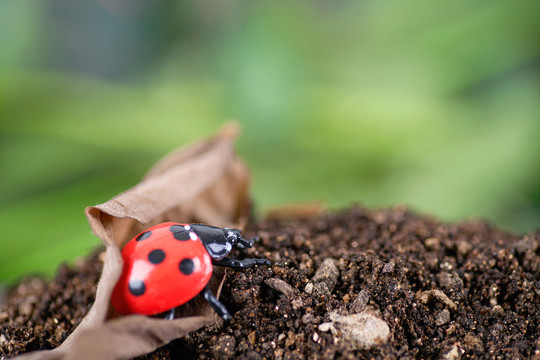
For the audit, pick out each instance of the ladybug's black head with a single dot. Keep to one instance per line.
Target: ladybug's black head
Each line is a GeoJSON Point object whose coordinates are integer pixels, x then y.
{"type": "Point", "coordinates": [235, 236]}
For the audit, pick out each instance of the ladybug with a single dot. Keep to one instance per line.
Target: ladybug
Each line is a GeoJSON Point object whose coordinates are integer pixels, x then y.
{"type": "Point", "coordinates": [168, 264]}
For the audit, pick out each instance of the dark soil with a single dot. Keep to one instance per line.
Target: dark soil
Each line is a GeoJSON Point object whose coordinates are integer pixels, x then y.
{"type": "Point", "coordinates": [40, 315]}
{"type": "Point", "coordinates": [445, 291]}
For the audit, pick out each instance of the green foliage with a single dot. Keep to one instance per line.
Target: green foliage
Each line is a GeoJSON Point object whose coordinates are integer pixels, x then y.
{"type": "Point", "coordinates": [431, 104]}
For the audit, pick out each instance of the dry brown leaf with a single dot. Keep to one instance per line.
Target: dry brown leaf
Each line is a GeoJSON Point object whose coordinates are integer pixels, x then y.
{"type": "Point", "coordinates": [205, 183]}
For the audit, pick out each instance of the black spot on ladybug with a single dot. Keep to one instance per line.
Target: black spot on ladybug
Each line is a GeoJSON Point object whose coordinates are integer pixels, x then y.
{"type": "Point", "coordinates": [179, 232]}
{"type": "Point", "coordinates": [136, 287]}
{"type": "Point", "coordinates": [156, 256]}
{"type": "Point", "coordinates": [187, 266]}
{"type": "Point", "coordinates": [143, 236]}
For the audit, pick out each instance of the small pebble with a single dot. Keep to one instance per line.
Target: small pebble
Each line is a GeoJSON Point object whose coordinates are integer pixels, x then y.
{"type": "Point", "coordinates": [327, 273]}
{"type": "Point", "coordinates": [389, 266]}
{"type": "Point", "coordinates": [433, 243]}
{"type": "Point", "coordinates": [474, 343]}
{"type": "Point", "coordinates": [362, 330]}
{"type": "Point", "coordinates": [360, 302]}
{"type": "Point", "coordinates": [325, 327]}
{"type": "Point", "coordinates": [321, 290]}
{"type": "Point", "coordinates": [498, 310]}
{"type": "Point", "coordinates": [308, 318]}
{"type": "Point", "coordinates": [464, 247]}
{"type": "Point", "coordinates": [297, 303]}
{"type": "Point", "coordinates": [450, 281]}
{"type": "Point", "coordinates": [454, 353]}
{"type": "Point", "coordinates": [442, 317]}
{"type": "Point", "coordinates": [290, 339]}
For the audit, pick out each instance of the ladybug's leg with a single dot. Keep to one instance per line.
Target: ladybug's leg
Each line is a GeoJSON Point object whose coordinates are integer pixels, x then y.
{"type": "Point", "coordinates": [170, 314]}
{"type": "Point", "coordinates": [218, 307]}
{"type": "Point", "coordinates": [245, 263]}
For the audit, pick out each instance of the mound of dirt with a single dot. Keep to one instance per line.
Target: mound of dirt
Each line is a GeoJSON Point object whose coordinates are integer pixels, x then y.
{"type": "Point", "coordinates": [351, 284]}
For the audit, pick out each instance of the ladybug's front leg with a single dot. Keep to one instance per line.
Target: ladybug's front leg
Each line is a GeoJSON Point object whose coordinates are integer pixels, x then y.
{"type": "Point", "coordinates": [218, 307]}
{"type": "Point", "coordinates": [245, 263]}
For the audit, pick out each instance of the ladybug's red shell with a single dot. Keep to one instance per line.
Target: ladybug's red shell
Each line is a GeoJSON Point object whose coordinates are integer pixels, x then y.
{"type": "Point", "coordinates": [164, 267]}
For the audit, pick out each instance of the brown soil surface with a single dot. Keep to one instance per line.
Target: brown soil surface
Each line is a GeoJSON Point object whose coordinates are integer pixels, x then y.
{"type": "Point", "coordinates": [443, 290]}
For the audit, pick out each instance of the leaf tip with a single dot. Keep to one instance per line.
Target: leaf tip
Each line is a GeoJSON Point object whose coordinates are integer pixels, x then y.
{"type": "Point", "coordinates": [230, 130]}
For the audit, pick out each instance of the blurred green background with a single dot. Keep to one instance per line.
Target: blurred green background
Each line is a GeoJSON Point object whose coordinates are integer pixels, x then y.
{"type": "Point", "coordinates": [432, 104]}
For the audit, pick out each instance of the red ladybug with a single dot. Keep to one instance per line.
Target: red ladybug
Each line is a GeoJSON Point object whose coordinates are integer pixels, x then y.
{"type": "Point", "coordinates": [169, 264]}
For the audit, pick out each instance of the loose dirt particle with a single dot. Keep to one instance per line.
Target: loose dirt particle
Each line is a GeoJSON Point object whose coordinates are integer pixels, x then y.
{"type": "Point", "coordinates": [426, 296]}
{"type": "Point", "coordinates": [281, 286]}
{"type": "Point", "coordinates": [252, 337]}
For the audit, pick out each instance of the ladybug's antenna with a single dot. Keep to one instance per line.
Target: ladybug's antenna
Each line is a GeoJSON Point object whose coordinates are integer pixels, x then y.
{"type": "Point", "coordinates": [245, 243]}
